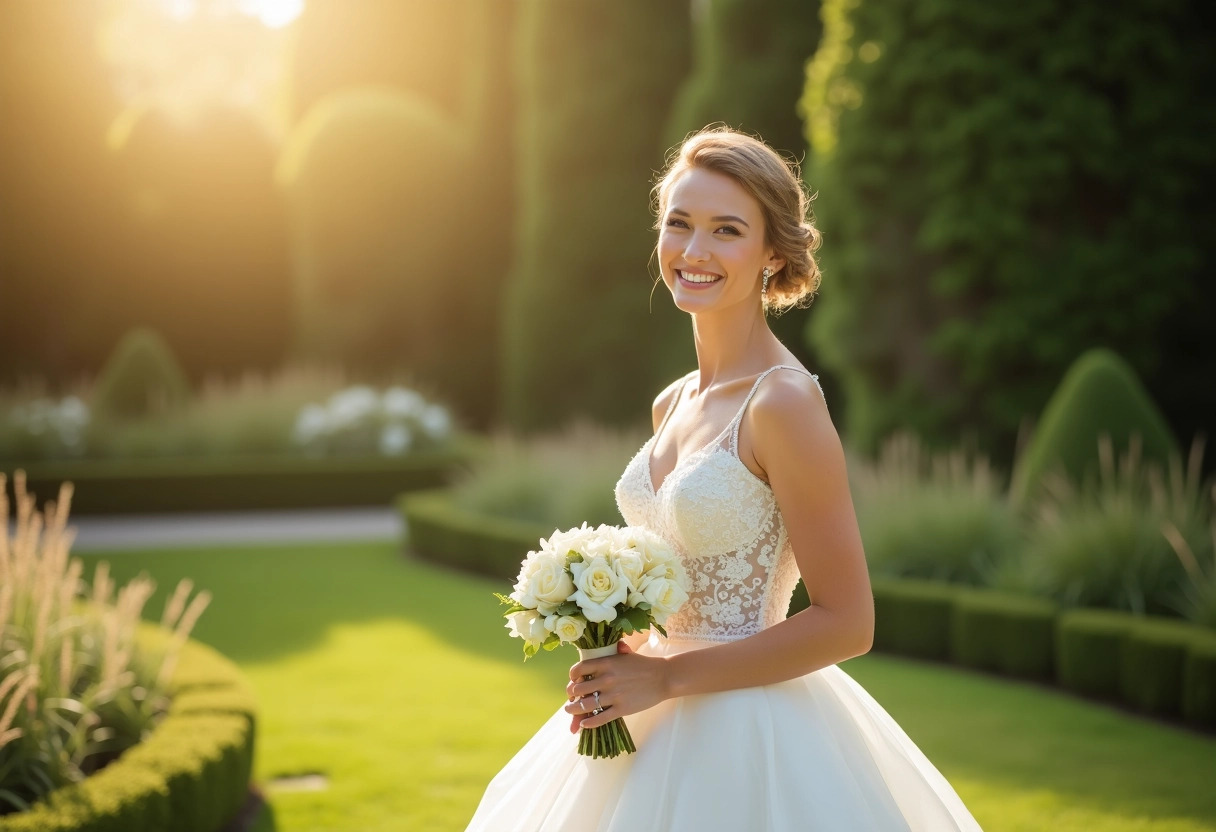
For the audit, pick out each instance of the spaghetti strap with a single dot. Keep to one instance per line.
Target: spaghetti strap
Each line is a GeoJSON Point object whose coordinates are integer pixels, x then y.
{"type": "Point", "coordinates": [672, 404]}
{"type": "Point", "coordinates": [738, 420]}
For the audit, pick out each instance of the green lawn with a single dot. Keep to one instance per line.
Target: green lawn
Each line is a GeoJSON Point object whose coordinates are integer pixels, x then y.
{"type": "Point", "coordinates": [397, 681]}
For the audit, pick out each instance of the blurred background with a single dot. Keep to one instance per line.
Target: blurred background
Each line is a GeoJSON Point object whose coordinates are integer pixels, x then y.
{"type": "Point", "coordinates": [263, 254]}
{"type": "Point", "coordinates": [459, 192]}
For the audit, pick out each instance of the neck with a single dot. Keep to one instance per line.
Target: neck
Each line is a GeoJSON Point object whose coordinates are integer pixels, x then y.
{"type": "Point", "coordinates": [734, 343]}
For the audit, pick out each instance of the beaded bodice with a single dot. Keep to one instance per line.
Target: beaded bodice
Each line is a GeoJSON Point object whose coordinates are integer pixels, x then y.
{"type": "Point", "coordinates": [724, 523]}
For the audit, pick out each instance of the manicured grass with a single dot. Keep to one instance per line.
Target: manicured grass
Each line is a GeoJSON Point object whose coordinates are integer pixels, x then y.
{"type": "Point", "coordinates": [397, 681]}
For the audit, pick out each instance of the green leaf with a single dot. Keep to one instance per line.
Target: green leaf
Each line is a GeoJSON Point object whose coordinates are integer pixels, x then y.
{"type": "Point", "coordinates": [659, 627]}
{"type": "Point", "coordinates": [568, 608]}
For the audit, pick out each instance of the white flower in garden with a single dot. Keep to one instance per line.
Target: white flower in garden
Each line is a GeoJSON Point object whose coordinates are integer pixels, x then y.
{"type": "Point", "coordinates": [665, 597]}
{"type": "Point", "coordinates": [544, 583]}
{"type": "Point", "coordinates": [350, 406]}
{"type": "Point", "coordinates": [600, 589]}
{"type": "Point", "coordinates": [312, 421]}
{"type": "Point", "coordinates": [395, 439]}
{"type": "Point", "coordinates": [567, 627]}
{"type": "Point", "coordinates": [435, 422]}
{"type": "Point", "coordinates": [402, 403]}
{"type": "Point", "coordinates": [73, 411]}
{"type": "Point", "coordinates": [528, 625]}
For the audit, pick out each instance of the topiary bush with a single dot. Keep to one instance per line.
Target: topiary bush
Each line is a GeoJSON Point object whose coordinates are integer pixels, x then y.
{"type": "Point", "coordinates": [141, 378]}
{"type": "Point", "coordinates": [1099, 395]}
{"type": "Point", "coordinates": [1154, 658]}
{"type": "Point", "coordinates": [983, 198]}
{"type": "Point", "coordinates": [1004, 632]}
{"type": "Point", "coordinates": [596, 82]}
{"type": "Point", "coordinates": [377, 188]}
{"type": "Point", "coordinates": [1089, 651]}
{"type": "Point", "coordinates": [913, 617]}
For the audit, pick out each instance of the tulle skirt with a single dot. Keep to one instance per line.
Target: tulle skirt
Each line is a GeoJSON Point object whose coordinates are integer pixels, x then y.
{"type": "Point", "coordinates": [812, 753]}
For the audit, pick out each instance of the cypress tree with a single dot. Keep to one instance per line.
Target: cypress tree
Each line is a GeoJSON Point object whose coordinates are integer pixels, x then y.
{"type": "Point", "coordinates": [596, 82]}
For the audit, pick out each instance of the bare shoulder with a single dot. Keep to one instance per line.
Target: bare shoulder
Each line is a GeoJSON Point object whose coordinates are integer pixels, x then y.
{"type": "Point", "coordinates": [663, 401]}
{"type": "Point", "coordinates": [788, 420]}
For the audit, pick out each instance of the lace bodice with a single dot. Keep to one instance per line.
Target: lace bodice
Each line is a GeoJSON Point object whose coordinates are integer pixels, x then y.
{"type": "Point", "coordinates": [724, 523]}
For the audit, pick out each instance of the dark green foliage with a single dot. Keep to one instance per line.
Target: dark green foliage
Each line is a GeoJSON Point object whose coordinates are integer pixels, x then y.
{"type": "Point", "coordinates": [913, 617]}
{"type": "Point", "coordinates": [1001, 187]}
{"type": "Point", "coordinates": [596, 82]}
{"type": "Point", "coordinates": [1154, 655]}
{"type": "Point", "coordinates": [141, 378]}
{"type": "Point", "coordinates": [749, 61]}
{"type": "Point", "coordinates": [386, 260]}
{"type": "Point", "coordinates": [1089, 650]}
{"type": "Point", "coordinates": [491, 546]}
{"type": "Point", "coordinates": [1199, 682]}
{"type": "Point", "coordinates": [1007, 633]}
{"type": "Point", "coordinates": [1100, 394]}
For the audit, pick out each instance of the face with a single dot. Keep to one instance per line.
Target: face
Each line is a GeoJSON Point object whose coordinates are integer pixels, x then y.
{"type": "Point", "coordinates": [711, 244]}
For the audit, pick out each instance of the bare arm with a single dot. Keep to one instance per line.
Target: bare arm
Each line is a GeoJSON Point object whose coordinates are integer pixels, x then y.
{"type": "Point", "coordinates": [798, 449]}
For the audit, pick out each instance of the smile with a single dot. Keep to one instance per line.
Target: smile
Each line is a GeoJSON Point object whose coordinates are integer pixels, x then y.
{"type": "Point", "coordinates": [697, 279]}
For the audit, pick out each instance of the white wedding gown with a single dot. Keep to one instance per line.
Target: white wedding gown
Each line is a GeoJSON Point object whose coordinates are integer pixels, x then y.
{"type": "Point", "coordinates": [813, 753]}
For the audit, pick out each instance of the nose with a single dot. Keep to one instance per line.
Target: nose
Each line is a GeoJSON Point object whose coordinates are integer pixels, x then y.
{"type": "Point", "coordinates": [696, 251]}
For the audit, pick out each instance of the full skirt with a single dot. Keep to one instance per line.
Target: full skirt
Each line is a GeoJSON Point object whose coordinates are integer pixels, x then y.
{"type": "Point", "coordinates": [812, 753]}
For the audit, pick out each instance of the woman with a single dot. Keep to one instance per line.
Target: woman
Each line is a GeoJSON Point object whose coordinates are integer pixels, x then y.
{"type": "Point", "coordinates": [741, 717]}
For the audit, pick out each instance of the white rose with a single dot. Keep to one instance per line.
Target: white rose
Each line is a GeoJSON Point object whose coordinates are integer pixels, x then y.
{"type": "Point", "coordinates": [600, 589]}
{"type": "Point", "coordinates": [547, 585]}
{"type": "Point", "coordinates": [563, 542]}
{"type": "Point", "coordinates": [528, 625]}
{"type": "Point", "coordinates": [630, 566]}
{"type": "Point", "coordinates": [568, 627]}
{"type": "Point", "coordinates": [665, 598]}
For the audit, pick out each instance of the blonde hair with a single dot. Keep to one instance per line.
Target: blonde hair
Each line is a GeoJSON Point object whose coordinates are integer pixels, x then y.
{"type": "Point", "coordinates": [775, 183]}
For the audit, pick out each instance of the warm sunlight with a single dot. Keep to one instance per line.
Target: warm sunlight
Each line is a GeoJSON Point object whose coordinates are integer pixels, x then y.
{"type": "Point", "coordinates": [184, 57]}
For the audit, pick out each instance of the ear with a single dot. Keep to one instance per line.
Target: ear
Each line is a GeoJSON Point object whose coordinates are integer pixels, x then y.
{"type": "Point", "coordinates": [776, 263]}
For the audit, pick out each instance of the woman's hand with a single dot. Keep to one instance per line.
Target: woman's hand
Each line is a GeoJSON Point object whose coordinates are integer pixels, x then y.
{"type": "Point", "coordinates": [627, 683]}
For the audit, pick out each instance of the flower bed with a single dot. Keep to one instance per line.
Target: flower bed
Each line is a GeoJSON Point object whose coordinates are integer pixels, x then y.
{"type": "Point", "coordinates": [190, 775]}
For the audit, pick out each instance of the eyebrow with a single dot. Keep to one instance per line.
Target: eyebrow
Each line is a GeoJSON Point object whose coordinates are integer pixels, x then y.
{"type": "Point", "coordinates": [726, 218]}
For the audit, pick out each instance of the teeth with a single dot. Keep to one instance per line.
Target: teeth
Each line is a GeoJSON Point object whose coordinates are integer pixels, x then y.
{"type": "Point", "coordinates": [696, 277]}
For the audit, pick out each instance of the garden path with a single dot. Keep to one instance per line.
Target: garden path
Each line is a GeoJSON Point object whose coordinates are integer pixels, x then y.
{"type": "Point", "coordinates": [144, 531]}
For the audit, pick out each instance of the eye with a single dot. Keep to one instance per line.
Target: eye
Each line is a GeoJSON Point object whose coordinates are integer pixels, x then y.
{"type": "Point", "coordinates": [726, 228]}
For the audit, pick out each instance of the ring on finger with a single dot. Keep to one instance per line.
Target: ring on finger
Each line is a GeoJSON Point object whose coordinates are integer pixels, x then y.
{"type": "Point", "coordinates": [598, 706]}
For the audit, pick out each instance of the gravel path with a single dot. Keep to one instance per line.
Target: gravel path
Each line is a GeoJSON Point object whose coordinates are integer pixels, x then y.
{"type": "Point", "coordinates": [145, 531]}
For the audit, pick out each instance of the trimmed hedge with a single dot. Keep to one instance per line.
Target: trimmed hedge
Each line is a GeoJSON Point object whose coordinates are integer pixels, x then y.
{"type": "Point", "coordinates": [190, 775]}
{"type": "Point", "coordinates": [1012, 634]}
{"type": "Point", "coordinates": [1089, 651]}
{"type": "Point", "coordinates": [440, 531]}
{"type": "Point", "coordinates": [913, 617]}
{"type": "Point", "coordinates": [244, 482]}
{"type": "Point", "coordinates": [1154, 654]}
{"type": "Point", "coordinates": [1161, 666]}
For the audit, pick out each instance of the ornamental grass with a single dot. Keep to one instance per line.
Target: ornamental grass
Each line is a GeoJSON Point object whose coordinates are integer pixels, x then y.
{"type": "Point", "coordinates": [76, 691]}
{"type": "Point", "coordinates": [1133, 537]}
{"type": "Point", "coordinates": [934, 515]}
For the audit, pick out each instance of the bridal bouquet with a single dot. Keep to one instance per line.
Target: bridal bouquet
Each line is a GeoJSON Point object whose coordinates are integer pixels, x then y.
{"type": "Point", "coordinates": [589, 587]}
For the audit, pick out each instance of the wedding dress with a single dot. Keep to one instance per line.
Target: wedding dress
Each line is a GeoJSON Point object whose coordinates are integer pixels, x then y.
{"type": "Point", "coordinates": [815, 752]}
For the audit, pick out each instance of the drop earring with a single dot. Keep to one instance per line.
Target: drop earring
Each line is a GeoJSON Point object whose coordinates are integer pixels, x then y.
{"type": "Point", "coordinates": [764, 287]}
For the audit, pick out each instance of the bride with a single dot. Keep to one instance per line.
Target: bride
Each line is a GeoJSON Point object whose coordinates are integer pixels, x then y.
{"type": "Point", "coordinates": [741, 717]}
